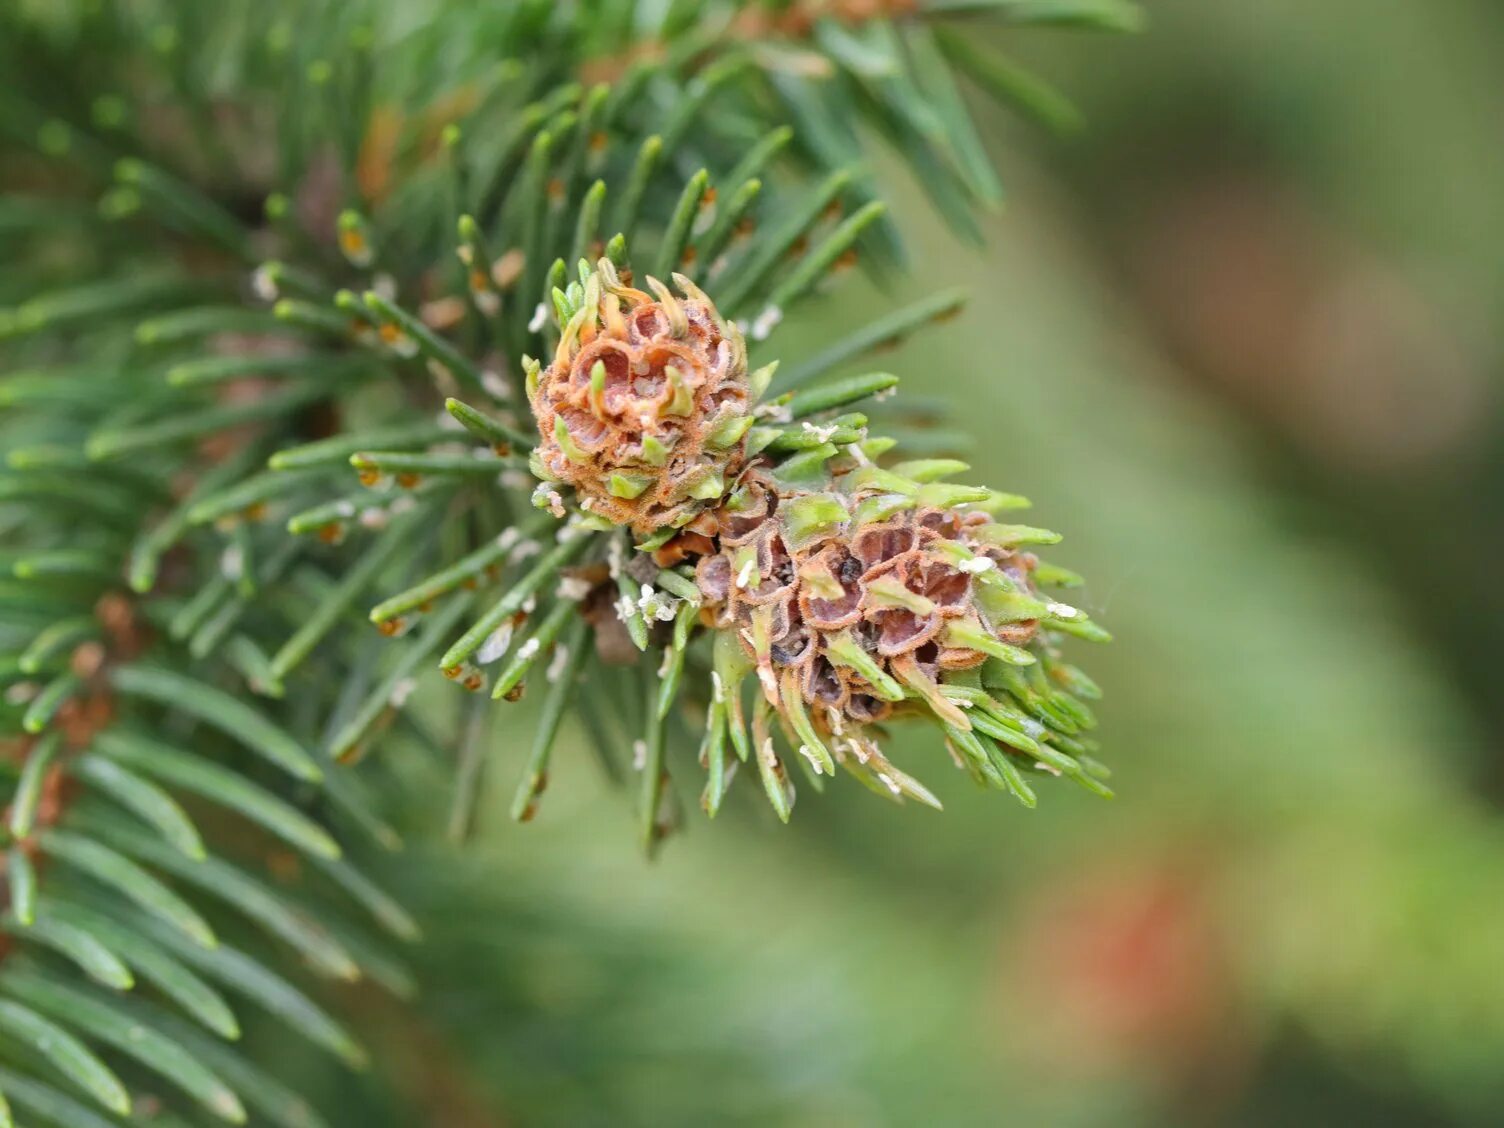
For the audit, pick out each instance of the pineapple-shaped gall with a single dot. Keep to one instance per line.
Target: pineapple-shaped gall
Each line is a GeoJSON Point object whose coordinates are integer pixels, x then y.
{"type": "Point", "coordinates": [645, 408]}
{"type": "Point", "coordinates": [867, 596]}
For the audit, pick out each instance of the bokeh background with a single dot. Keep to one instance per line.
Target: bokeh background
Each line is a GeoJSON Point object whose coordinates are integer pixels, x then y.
{"type": "Point", "coordinates": [1240, 337]}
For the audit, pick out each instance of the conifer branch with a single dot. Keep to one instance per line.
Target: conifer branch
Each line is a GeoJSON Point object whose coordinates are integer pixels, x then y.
{"type": "Point", "coordinates": [405, 308]}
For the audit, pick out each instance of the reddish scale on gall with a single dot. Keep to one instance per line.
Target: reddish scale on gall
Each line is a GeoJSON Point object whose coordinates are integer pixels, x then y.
{"type": "Point", "coordinates": [855, 611]}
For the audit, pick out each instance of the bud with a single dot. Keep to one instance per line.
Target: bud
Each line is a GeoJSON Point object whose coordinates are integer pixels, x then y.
{"type": "Point", "coordinates": [878, 595]}
{"type": "Point", "coordinates": [645, 408]}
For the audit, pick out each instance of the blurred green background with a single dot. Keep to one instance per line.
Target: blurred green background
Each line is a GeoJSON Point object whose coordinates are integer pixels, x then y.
{"type": "Point", "coordinates": [1240, 340]}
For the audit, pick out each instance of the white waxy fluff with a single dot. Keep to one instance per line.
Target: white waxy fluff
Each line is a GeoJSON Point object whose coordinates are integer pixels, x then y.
{"type": "Point", "coordinates": [495, 645]}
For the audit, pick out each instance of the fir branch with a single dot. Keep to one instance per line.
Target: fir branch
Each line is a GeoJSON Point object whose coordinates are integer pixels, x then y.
{"type": "Point", "coordinates": [269, 290]}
